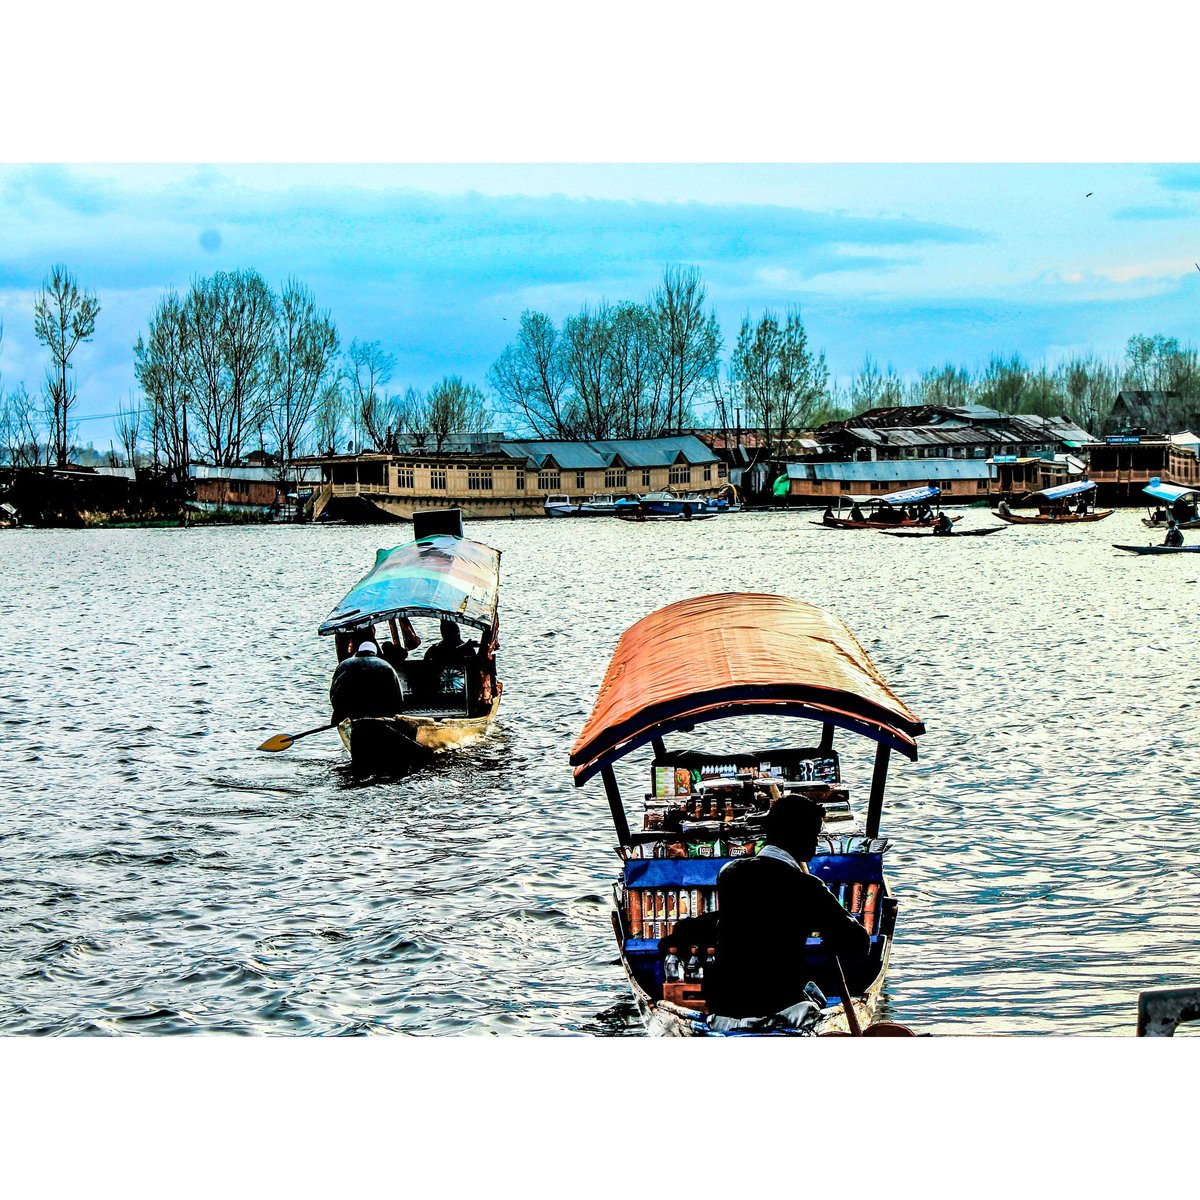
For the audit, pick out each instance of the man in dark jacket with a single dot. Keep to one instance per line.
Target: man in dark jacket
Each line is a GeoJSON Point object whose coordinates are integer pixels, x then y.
{"type": "Point", "coordinates": [768, 906]}
{"type": "Point", "coordinates": [365, 686]}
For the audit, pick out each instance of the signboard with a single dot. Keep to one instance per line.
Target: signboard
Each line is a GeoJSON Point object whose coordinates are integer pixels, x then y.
{"type": "Point", "coordinates": [1004, 458]}
{"type": "Point", "coordinates": [1132, 439]}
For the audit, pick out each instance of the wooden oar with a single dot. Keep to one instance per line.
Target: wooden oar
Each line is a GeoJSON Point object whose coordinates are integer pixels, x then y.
{"type": "Point", "coordinates": [851, 1015]}
{"type": "Point", "coordinates": [281, 741]}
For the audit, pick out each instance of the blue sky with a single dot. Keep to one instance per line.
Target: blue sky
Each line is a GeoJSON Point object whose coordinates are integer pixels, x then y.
{"type": "Point", "coordinates": [915, 265]}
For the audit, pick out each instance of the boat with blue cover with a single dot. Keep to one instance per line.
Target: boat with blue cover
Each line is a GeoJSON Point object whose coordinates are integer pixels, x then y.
{"type": "Point", "coordinates": [1055, 507]}
{"type": "Point", "coordinates": [1174, 502]}
{"type": "Point", "coordinates": [911, 508]}
{"type": "Point", "coordinates": [440, 575]}
{"type": "Point", "coordinates": [708, 659]}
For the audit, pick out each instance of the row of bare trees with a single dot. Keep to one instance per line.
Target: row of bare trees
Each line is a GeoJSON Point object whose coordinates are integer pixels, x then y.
{"type": "Point", "coordinates": [617, 370]}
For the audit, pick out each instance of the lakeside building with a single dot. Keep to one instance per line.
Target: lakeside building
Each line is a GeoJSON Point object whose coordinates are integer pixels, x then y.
{"type": "Point", "coordinates": [972, 453]}
{"type": "Point", "coordinates": [508, 477]}
{"type": "Point", "coordinates": [256, 491]}
{"type": "Point", "coordinates": [1123, 464]}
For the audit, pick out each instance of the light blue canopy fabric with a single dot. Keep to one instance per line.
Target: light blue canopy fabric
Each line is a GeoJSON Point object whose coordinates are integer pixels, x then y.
{"type": "Point", "coordinates": [442, 576]}
{"type": "Point", "coordinates": [1066, 489]}
{"type": "Point", "coordinates": [1168, 493]}
{"type": "Point", "coordinates": [908, 496]}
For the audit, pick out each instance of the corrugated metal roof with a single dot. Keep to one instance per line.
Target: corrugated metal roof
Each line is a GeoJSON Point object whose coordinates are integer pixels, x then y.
{"type": "Point", "coordinates": [634, 452]}
{"type": "Point", "coordinates": [903, 469]}
{"type": "Point", "coordinates": [260, 474]}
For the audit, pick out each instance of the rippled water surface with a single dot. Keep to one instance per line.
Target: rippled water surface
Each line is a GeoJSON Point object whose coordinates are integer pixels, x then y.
{"type": "Point", "coordinates": [157, 874]}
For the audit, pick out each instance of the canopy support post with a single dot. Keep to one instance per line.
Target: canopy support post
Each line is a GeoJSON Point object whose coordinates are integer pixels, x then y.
{"type": "Point", "coordinates": [614, 804]}
{"type": "Point", "coordinates": [660, 747]}
{"type": "Point", "coordinates": [826, 738]}
{"type": "Point", "coordinates": [878, 779]}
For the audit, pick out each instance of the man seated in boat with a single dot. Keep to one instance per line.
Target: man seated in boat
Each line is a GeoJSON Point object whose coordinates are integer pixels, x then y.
{"type": "Point", "coordinates": [943, 524]}
{"type": "Point", "coordinates": [768, 906]}
{"type": "Point", "coordinates": [450, 649]}
{"type": "Point", "coordinates": [364, 685]}
{"type": "Point", "coordinates": [1082, 507]}
{"type": "Point", "coordinates": [827, 515]}
{"type": "Point", "coordinates": [1174, 534]}
{"type": "Point", "coordinates": [1003, 509]}
{"type": "Point", "coordinates": [856, 513]}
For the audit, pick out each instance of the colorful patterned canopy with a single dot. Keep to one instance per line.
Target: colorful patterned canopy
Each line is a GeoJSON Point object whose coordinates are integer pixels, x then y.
{"type": "Point", "coordinates": [438, 576]}
{"type": "Point", "coordinates": [731, 654]}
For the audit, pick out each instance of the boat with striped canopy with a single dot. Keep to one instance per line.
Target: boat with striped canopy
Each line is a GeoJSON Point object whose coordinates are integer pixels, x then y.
{"type": "Point", "coordinates": [708, 659]}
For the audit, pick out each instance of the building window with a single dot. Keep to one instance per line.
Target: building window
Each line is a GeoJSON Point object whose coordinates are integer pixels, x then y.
{"type": "Point", "coordinates": [404, 477]}
{"type": "Point", "coordinates": [681, 474]}
{"type": "Point", "coordinates": [879, 487]}
{"type": "Point", "coordinates": [437, 479]}
{"type": "Point", "coordinates": [981, 485]}
{"type": "Point", "coordinates": [520, 481]}
{"type": "Point", "coordinates": [549, 481]}
{"type": "Point", "coordinates": [721, 471]}
{"type": "Point", "coordinates": [614, 477]}
{"type": "Point", "coordinates": [580, 482]}
{"type": "Point", "coordinates": [948, 485]}
{"type": "Point", "coordinates": [479, 479]}
{"type": "Point", "coordinates": [645, 479]}
{"type": "Point", "coordinates": [707, 472]}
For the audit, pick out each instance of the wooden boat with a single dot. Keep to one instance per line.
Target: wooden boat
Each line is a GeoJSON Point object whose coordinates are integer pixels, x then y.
{"type": "Point", "coordinates": [675, 518]}
{"type": "Point", "coordinates": [737, 655]}
{"type": "Point", "coordinates": [1054, 506]}
{"type": "Point", "coordinates": [440, 575]}
{"type": "Point", "coordinates": [1157, 549]}
{"type": "Point", "coordinates": [1174, 502]}
{"type": "Point", "coordinates": [885, 512]}
{"type": "Point", "coordinates": [598, 504]}
{"type": "Point", "coordinates": [933, 533]}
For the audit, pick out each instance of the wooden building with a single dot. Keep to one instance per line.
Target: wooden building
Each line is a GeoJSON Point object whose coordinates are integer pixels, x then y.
{"type": "Point", "coordinates": [1123, 464]}
{"type": "Point", "coordinates": [511, 478]}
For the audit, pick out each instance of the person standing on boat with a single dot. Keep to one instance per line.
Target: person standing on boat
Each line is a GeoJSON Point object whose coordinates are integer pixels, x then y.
{"type": "Point", "coordinates": [768, 906]}
{"type": "Point", "coordinates": [1174, 534]}
{"type": "Point", "coordinates": [365, 686]}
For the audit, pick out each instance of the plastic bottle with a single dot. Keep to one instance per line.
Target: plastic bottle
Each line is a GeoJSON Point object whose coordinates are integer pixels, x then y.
{"type": "Point", "coordinates": [672, 967]}
{"type": "Point", "coordinates": [695, 969]}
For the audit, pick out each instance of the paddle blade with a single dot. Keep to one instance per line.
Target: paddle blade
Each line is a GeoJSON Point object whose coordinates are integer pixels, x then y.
{"type": "Point", "coordinates": [281, 741]}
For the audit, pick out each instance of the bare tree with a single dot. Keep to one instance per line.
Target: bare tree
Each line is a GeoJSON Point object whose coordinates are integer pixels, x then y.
{"type": "Point", "coordinates": [303, 356]}
{"type": "Point", "coordinates": [587, 353]}
{"type": "Point", "coordinates": [163, 366]}
{"type": "Point", "coordinates": [63, 316]}
{"type": "Point", "coordinates": [228, 322]}
{"type": "Point", "coordinates": [781, 383]}
{"type": "Point", "coordinates": [368, 370]}
{"type": "Point", "coordinates": [689, 341]}
{"type": "Point", "coordinates": [948, 386]}
{"type": "Point", "coordinates": [329, 417]}
{"type": "Point", "coordinates": [129, 429]}
{"type": "Point", "coordinates": [873, 388]}
{"type": "Point", "coordinates": [636, 373]}
{"type": "Point", "coordinates": [22, 430]}
{"type": "Point", "coordinates": [530, 378]}
{"type": "Point", "coordinates": [452, 406]}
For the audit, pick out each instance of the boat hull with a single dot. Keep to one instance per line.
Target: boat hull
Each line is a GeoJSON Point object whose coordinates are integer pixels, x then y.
{"type": "Point", "coordinates": [1068, 519]}
{"type": "Point", "coordinates": [408, 739]}
{"type": "Point", "coordinates": [1157, 549]}
{"type": "Point", "coordinates": [842, 523]}
{"type": "Point", "coordinates": [929, 533]}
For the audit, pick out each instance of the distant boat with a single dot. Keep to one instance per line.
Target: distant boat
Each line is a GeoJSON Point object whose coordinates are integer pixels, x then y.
{"type": "Point", "coordinates": [668, 504]}
{"type": "Point", "coordinates": [1054, 507]}
{"type": "Point", "coordinates": [598, 504]}
{"type": "Point", "coordinates": [932, 533]}
{"type": "Point", "coordinates": [884, 512]}
{"type": "Point", "coordinates": [1173, 501]}
{"type": "Point", "coordinates": [1157, 549]}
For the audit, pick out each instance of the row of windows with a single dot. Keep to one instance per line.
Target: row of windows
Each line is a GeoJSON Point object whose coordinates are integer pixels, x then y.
{"type": "Point", "coordinates": [947, 485]}
{"type": "Point", "coordinates": [479, 479]}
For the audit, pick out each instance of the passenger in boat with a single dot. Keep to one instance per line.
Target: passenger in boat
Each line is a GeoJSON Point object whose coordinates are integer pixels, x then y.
{"type": "Point", "coordinates": [1158, 516]}
{"type": "Point", "coordinates": [451, 650]}
{"type": "Point", "coordinates": [943, 524]}
{"type": "Point", "coordinates": [924, 513]}
{"type": "Point", "coordinates": [391, 653]}
{"type": "Point", "coordinates": [828, 513]}
{"type": "Point", "coordinates": [364, 685]}
{"type": "Point", "coordinates": [769, 906]}
{"type": "Point", "coordinates": [1003, 509]}
{"type": "Point", "coordinates": [1174, 534]}
{"type": "Point", "coordinates": [1082, 507]}
{"type": "Point", "coordinates": [856, 513]}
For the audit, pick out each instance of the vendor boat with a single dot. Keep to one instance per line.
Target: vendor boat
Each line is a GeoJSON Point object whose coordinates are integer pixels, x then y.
{"type": "Point", "coordinates": [1055, 508]}
{"type": "Point", "coordinates": [1174, 503]}
{"type": "Point", "coordinates": [707, 659]}
{"type": "Point", "coordinates": [885, 512]}
{"type": "Point", "coordinates": [440, 575]}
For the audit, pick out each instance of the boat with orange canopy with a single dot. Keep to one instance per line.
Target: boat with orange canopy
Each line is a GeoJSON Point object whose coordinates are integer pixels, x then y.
{"type": "Point", "coordinates": [712, 658]}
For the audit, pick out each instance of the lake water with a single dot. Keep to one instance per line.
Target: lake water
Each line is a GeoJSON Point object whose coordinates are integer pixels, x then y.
{"type": "Point", "coordinates": [158, 875]}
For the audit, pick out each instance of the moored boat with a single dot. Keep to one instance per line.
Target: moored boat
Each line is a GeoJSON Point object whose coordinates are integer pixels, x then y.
{"type": "Point", "coordinates": [598, 504]}
{"type": "Point", "coordinates": [933, 533]}
{"type": "Point", "coordinates": [910, 508]}
{"type": "Point", "coordinates": [1157, 549]}
{"type": "Point", "coordinates": [724, 656]}
{"type": "Point", "coordinates": [667, 504]}
{"type": "Point", "coordinates": [448, 702]}
{"type": "Point", "coordinates": [1055, 508]}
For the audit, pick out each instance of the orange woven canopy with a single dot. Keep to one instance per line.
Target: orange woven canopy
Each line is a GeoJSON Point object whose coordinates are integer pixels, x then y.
{"type": "Point", "coordinates": [732, 654]}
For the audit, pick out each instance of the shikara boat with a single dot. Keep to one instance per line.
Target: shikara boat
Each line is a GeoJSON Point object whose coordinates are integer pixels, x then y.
{"type": "Point", "coordinates": [440, 575]}
{"type": "Point", "coordinates": [885, 512]}
{"type": "Point", "coordinates": [724, 656]}
{"type": "Point", "coordinates": [1054, 506]}
{"type": "Point", "coordinates": [933, 533]}
{"type": "Point", "coordinates": [1157, 549]}
{"type": "Point", "coordinates": [1174, 502]}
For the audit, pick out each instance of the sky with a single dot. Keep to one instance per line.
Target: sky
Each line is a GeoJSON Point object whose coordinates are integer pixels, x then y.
{"type": "Point", "coordinates": [914, 265]}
